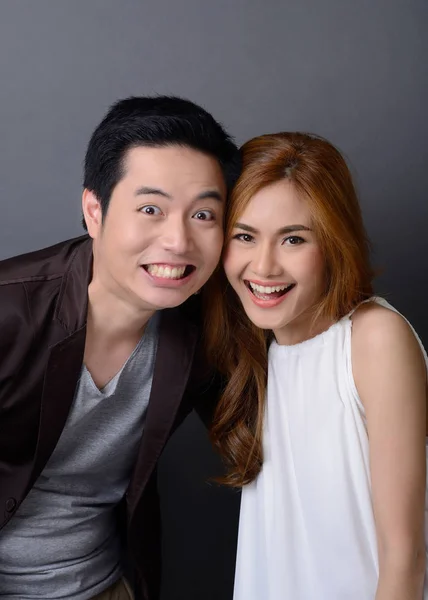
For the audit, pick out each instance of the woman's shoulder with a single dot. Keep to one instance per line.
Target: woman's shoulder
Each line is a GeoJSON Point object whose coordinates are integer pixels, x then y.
{"type": "Point", "coordinates": [384, 344]}
{"type": "Point", "coordinates": [379, 323]}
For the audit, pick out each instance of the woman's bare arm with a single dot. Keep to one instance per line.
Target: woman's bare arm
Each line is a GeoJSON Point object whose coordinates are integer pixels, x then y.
{"type": "Point", "coordinates": [390, 376]}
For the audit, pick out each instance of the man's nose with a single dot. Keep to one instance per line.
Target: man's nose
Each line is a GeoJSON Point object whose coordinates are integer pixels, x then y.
{"type": "Point", "coordinates": [176, 236]}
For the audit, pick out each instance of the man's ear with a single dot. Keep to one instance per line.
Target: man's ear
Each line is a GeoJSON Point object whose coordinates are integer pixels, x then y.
{"type": "Point", "coordinates": [92, 213]}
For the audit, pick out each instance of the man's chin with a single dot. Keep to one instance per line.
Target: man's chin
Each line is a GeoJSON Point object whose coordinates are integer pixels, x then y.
{"type": "Point", "coordinates": [168, 299]}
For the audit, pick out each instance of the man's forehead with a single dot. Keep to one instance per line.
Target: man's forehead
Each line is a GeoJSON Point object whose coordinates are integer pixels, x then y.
{"type": "Point", "coordinates": [161, 155]}
{"type": "Point", "coordinates": [167, 169]}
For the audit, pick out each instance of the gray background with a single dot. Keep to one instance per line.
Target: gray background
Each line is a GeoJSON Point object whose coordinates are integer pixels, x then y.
{"type": "Point", "coordinates": [351, 70]}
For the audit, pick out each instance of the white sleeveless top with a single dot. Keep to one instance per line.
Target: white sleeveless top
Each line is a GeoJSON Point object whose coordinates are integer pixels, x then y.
{"type": "Point", "coordinates": [306, 529]}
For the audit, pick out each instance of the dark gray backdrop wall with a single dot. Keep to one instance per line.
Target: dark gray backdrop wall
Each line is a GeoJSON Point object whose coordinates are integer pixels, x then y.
{"type": "Point", "coordinates": [351, 70]}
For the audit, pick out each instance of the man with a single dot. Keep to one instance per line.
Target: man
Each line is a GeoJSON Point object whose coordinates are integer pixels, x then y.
{"type": "Point", "coordinates": [99, 363]}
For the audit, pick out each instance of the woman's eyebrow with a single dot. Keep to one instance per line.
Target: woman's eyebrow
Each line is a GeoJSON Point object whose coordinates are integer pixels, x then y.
{"type": "Point", "coordinates": [282, 230]}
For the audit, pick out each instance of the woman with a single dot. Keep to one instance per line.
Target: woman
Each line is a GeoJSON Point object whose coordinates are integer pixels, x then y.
{"type": "Point", "coordinates": [332, 457]}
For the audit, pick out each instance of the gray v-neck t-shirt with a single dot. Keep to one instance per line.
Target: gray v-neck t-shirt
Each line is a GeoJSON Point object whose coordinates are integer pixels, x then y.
{"type": "Point", "coordinates": [64, 541]}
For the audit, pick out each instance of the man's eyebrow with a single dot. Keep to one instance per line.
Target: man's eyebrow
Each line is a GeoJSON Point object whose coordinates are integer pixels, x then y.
{"type": "Point", "coordinates": [151, 191]}
{"type": "Point", "coordinates": [288, 229]}
{"type": "Point", "coordinates": [214, 194]}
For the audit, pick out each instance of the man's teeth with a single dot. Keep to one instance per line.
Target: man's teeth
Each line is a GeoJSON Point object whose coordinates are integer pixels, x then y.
{"type": "Point", "coordinates": [261, 289]}
{"type": "Point", "coordinates": [166, 272]}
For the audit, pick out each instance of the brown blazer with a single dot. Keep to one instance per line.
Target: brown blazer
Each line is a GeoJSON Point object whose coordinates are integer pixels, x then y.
{"type": "Point", "coordinates": [43, 307]}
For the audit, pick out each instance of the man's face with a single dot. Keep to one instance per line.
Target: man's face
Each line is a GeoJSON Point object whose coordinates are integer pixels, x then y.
{"type": "Point", "coordinates": [161, 238]}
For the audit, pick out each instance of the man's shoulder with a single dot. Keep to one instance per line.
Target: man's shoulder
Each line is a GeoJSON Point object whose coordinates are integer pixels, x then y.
{"type": "Point", "coordinates": [190, 312]}
{"type": "Point", "coordinates": [183, 328]}
{"type": "Point", "coordinates": [46, 264]}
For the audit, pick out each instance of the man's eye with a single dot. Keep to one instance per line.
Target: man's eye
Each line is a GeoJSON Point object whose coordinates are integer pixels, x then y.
{"type": "Point", "coordinates": [203, 215]}
{"type": "Point", "coordinates": [151, 210]}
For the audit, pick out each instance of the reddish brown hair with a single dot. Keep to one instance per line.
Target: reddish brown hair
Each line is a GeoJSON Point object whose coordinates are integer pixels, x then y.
{"type": "Point", "coordinates": [321, 176]}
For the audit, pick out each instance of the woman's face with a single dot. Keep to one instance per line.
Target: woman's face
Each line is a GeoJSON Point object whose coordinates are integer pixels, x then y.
{"type": "Point", "coordinates": [274, 263]}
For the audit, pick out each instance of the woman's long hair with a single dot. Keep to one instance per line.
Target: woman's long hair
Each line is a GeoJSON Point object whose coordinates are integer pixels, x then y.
{"type": "Point", "coordinates": [320, 175]}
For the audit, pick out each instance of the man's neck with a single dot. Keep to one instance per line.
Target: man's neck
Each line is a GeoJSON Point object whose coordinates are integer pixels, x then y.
{"type": "Point", "coordinates": [112, 318]}
{"type": "Point", "coordinates": [114, 328]}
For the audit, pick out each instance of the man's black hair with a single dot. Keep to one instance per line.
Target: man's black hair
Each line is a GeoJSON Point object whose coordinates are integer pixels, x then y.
{"type": "Point", "coordinates": [153, 121]}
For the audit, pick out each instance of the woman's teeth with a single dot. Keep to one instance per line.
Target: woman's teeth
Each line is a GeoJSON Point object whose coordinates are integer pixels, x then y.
{"type": "Point", "coordinates": [166, 272]}
{"type": "Point", "coordinates": [261, 289]}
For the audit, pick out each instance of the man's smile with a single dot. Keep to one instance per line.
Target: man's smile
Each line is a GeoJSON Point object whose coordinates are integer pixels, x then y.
{"type": "Point", "coordinates": [169, 273]}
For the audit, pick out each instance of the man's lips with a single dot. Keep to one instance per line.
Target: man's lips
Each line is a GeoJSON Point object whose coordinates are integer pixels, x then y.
{"type": "Point", "coordinates": [169, 274]}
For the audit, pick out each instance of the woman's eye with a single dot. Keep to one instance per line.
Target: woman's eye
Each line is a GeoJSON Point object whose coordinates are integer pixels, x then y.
{"type": "Point", "coordinates": [294, 240]}
{"type": "Point", "coordinates": [203, 215]}
{"type": "Point", "coordinates": [243, 237]}
{"type": "Point", "coordinates": [151, 210]}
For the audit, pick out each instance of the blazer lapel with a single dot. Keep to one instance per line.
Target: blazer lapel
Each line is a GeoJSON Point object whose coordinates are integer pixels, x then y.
{"type": "Point", "coordinates": [66, 354]}
{"type": "Point", "coordinates": [176, 346]}
{"type": "Point", "coordinates": [61, 375]}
